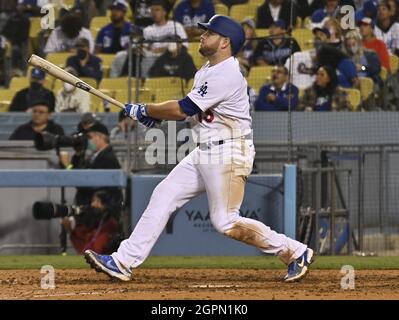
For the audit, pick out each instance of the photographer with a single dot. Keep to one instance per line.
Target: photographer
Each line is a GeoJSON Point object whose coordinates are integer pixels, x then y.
{"type": "Point", "coordinates": [102, 157]}
{"type": "Point", "coordinates": [95, 228]}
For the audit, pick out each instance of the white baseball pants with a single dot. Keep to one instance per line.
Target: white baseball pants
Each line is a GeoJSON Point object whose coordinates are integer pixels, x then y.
{"type": "Point", "coordinates": [221, 171]}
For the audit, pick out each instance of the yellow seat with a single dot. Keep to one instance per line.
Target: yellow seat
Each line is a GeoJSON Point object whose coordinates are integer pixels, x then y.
{"type": "Point", "coordinates": [258, 75]}
{"type": "Point", "coordinates": [162, 95]}
{"type": "Point", "coordinates": [6, 96]}
{"type": "Point", "coordinates": [262, 32]}
{"type": "Point", "coordinates": [354, 97]}
{"type": "Point", "coordinates": [242, 11]}
{"type": "Point", "coordinates": [304, 37]}
{"type": "Point", "coordinates": [172, 85]}
{"type": "Point", "coordinates": [256, 2]}
{"type": "Point", "coordinates": [114, 83]}
{"type": "Point", "coordinates": [58, 58]}
{"type": "Point", "coordinates": [394, 63]}
{"type": "Point", "coordinates": [18, 83]}
{"type": "Point", "coordinates": [97, 23]}
{"type": "Point", "coordinates": [198, 59]}
{"type": "Point", "coordinates": [98, 104]}
{"type": "Point", "coordinates": [220, 8]}
{"type": "Point", "coordinates": [366, 87]}
{"type": "Point", "coordinates": [384, 74]}
{"type": "Point", "coordinates": [107, 62]}
{"type": "Point", "coordinates": [145, 95]}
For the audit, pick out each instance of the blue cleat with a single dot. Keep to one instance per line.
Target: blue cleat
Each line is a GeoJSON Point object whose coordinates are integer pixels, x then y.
{"type": "Point", "coordinates": [298, 268]}
{"type": "Point", "coordinates": [105, 264]}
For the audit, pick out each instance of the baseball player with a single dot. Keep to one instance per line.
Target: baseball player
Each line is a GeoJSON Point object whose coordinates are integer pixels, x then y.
{"type": "Point", "coordinates": [219, 165]}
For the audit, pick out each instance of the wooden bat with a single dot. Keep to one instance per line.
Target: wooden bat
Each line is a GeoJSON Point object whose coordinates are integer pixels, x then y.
{"type": "Point", "coordinates": [65, 76]}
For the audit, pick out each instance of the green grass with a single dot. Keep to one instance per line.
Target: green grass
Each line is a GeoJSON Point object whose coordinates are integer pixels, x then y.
{"type": "Point", "coordinates": [258, 262]}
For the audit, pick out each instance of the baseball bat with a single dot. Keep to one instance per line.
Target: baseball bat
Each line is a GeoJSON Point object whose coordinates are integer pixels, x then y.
{"type": "Point", "coordinates": [65, 76]}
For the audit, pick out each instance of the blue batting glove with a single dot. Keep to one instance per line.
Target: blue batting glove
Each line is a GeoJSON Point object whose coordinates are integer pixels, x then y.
{"type": "Point", "coordinates": [138, 111]}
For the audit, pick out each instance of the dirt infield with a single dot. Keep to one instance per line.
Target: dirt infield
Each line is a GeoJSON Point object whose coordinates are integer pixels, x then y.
{"type": "Point", "coordinates": [199, 284]}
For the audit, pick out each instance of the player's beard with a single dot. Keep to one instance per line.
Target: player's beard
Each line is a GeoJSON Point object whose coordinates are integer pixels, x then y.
{"type": "Point", "coordinates": [209, 50]}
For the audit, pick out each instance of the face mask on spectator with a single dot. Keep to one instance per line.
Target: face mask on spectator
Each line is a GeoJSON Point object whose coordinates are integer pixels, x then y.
{"type": "Point", "coordinates": [91, 146]}
{"type": "Point", "coordinates": [68, 87]}
{"type": "Point", "coordinates": [82, 54]}
{"type": "Point", "coordinates": [354, 49]}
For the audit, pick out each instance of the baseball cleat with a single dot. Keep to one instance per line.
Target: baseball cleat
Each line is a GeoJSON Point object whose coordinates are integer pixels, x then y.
{"type": "Point", "coordinates": [298, 268]}
{"type": "Point", "coordinates": [105, 264]}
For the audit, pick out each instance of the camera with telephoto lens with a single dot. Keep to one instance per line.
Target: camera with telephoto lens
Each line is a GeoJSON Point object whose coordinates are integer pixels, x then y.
{"type": "Point", "coordinates": [46, 141]}
{"type": "Point", "coordinates": [50, 210]}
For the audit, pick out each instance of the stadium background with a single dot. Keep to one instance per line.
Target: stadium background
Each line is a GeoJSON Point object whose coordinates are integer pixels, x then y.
{"type": "Point", "coordinates": [347, 182]}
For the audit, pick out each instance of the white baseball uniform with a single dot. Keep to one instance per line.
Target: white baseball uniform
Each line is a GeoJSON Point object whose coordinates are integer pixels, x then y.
{"type": "Point", "coordinates": [219, 167]}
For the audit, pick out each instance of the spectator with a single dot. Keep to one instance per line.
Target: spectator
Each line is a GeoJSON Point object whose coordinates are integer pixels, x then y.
{"type": "Point", "coordinates": [40, 122]}
{"type": "Point", "coordinates": [97, 228]}
{"type": "Point", "coordinates": [335, 32]}
{"type": "Point", "coordinates": [369, 10]}
{"type": "Point", "coordinates": [387, 29]}
{"type": "Point", "coordinates": [87, 10]}
{"type": "Point", "coordinates": [394, 9]}
{"type": "Point", "coordinates": [63, 37]}
{"type": "Point", "coordinates": [325, 94]}
{"type": "Point", "coordinates": [246, 54]}
{"type": "Point", "coordinates": [18, 37]}
{"type": "Point", "coordinates": [121, 131]}
{"type": "Point", "coordinates": [329, 55]}
{"type": "Point", "coordinates": [174, 62]}
{"type": "Point", "coordinates": [307, 7]}
{"type": "Point", "coordinates": [84, 63]}
{"type": "Point", "coordinates": [303, 68]}
{"type": "Point", "coordinates": [162, 29]}
{"type": "Point", "coordinates": [275, 49]}
{"type": "Point", "coordinates": [273, 10]}
{"type": "Point", "coordinates": [372, 43]}
{"type": "Point", "coordinates": [190, 12]}
{"type": "Point", "coordinates": [102, 157]}
{"type": "Point", "coordinates": [277, 95]}
{"type": "Point", "coordinates": [114, 37]}
{"type": "Point", "coordinates": [31, 8]}
{"type": "Point", "coordinates": [120, 65]}
{"type": "Point", "coordinates": [142, 12]}
{"type": "Point", "coordinates": [366, 61]}
{"type": "Point", "coordinates": [331, 9]}
{"type": "Point", "coordinates": [72, 99]}
{"type": "Point", "coordinates": [36, 91]}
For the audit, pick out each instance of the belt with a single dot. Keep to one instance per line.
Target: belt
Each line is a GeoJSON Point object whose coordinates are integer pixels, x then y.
{"type": "Point", "coordinates": [207, 145]}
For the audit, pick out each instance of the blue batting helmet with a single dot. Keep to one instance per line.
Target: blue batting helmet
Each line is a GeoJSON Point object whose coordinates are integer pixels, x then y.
{"type": "Point", "coordinates": [227, 27]}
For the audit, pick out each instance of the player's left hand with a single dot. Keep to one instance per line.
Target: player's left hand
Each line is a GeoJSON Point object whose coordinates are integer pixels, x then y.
{"type": "Point", "coordinates": [138, 111]}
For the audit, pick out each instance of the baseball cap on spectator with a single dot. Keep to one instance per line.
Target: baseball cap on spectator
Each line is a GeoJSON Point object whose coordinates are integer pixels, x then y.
{"type": "Point", "coordinates": [119, 5]}
{"type": "Point", "coordinates": [98, 127]}
{"type": "Point", "coordinates": [367, 21]}
{"type": "Point", "coordinates": [324, 30]}
{"type": "Point", "coordinates": [38, 74]}
{"type": "Point", "coordinates": [279, 23]}
{"type": "Point", "coordinates": [370, 6]}
{"type": "Point", "coordinates": [249, 21]}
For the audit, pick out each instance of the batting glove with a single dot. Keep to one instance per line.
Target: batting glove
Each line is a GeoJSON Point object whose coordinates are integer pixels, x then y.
{"type": "Point", "coordinates": [138, 111]}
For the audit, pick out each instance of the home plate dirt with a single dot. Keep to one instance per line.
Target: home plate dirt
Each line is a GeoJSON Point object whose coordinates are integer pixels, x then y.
{"type": "Point", "coordinates": [197, 284]}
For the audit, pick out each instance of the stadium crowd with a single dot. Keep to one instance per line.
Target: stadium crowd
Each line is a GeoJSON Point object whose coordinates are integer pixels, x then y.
{"type": "Point", "coordinates": [299, 55]}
